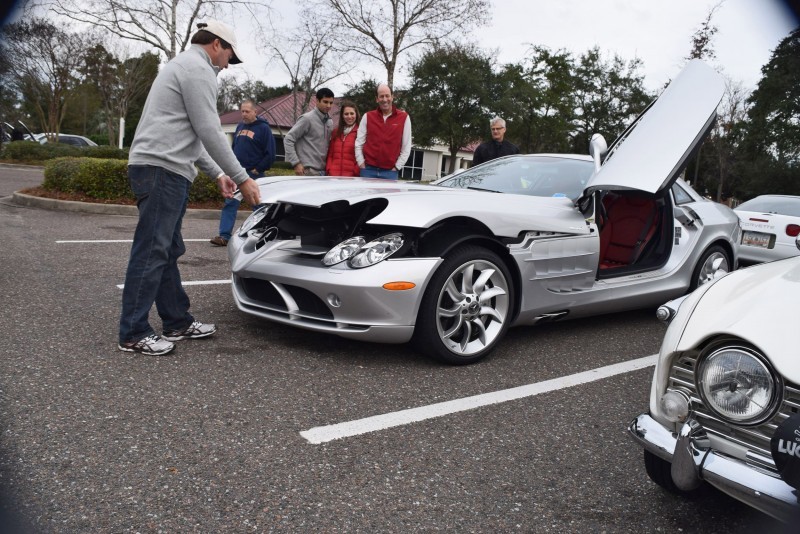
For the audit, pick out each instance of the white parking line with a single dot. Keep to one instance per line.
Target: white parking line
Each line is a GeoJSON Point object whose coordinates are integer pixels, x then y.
{"type": "Point", "coordinates": [323, 434]}
{"type": "Point", "coordinates": [109, 240]}
{"type": "Point", "coordinates": [195, 283]}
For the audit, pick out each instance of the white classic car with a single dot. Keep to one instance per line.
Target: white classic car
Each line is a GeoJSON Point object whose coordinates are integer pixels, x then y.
{"type": "Point", "coordinates": [514, 241]}
{"type": "Point", "coordinates": [725, 397]}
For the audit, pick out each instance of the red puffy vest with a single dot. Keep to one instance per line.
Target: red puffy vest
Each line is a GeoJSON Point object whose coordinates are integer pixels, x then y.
{"type": "Point", "coordinates": [384, 138]}
{"type": "Point", "coordinates": [342, 154]}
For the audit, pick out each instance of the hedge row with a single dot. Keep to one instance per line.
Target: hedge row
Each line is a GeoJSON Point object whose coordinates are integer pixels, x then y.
{"type": "Point", "coordinates": [32, 151]}
{"type": "Point", "coordinates": [107, 179]}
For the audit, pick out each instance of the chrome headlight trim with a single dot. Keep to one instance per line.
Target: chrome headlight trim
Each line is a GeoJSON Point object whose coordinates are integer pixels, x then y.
{"type": "Point", "coordinates": [738, 385]}
{"type": "Point", "coordinates": [256, 217]}
{"type": "Point", "coordinates": [377, 250]}
{"type": "Point", "coordinates": [343, 251]}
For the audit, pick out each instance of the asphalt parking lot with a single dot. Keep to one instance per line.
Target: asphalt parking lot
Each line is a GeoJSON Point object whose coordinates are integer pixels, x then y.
{"type": "Point", "coordinates": [235, 433]}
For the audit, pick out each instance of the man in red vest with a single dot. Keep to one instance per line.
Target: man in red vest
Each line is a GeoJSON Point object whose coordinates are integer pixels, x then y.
{"type": "Point", "coordinates": [384, 138]}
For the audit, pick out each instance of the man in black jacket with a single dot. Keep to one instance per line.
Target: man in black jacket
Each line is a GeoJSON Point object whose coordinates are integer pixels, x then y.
{"type": "Point", "coordinates": [497, 147]}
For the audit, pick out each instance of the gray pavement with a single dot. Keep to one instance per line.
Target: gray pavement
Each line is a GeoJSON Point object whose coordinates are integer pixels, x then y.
{"type": "Point", "coordinates": [208, 439]}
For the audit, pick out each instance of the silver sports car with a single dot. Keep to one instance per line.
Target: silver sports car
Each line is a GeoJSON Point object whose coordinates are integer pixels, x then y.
{"type": "Point", "coordinates": [515, 241]}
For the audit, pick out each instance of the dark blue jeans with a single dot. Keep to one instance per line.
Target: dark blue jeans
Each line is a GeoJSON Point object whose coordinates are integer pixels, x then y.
{"type": "Point", "coordinates": [374, 172]}
{"type": "Point", "coordinates": [152, 274]}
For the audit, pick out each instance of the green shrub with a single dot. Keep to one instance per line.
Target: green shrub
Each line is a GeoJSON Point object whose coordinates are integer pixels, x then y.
{"type": "Point", "coordinates": [58, 174]}
{"type": "Point", "coordinates": [107, 179]}
{"type": "Point", "coordinates": [282, 165]}
{"type": "Point", "coordinates": [32, 151]}
{"type": "Point", "coordinates": [104, 152]}
{"type": "Point", "coordinates": [204, 188]}
{"type": "Point", "coordinates": [100, 139]}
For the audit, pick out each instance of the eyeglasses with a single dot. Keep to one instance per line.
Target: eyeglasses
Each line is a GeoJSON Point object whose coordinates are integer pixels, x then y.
{"type": "Point", "coordinates": [498, 129]}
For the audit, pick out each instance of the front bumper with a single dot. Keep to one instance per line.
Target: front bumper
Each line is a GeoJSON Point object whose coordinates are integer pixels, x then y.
{"type": "Point", "coordinates": [281, 285]}
{"type": "Point", "coordinates": [692, 460]}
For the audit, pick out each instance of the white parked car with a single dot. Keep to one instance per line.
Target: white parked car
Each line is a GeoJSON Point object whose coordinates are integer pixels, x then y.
{"type": "Point", "coordinates": [67, 139]}
{"type": "Point", "coordinates": [725, 396]}
{"type": "Point", "coordinates": [770, 224]}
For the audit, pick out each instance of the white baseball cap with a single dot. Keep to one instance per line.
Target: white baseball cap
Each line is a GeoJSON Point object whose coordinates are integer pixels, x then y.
{"type": "Point", "coordinates": [224, 32]}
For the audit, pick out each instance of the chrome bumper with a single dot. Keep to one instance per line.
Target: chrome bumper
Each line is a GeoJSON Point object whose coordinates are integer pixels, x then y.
{"type": "Point", "coordinates": [692, 461]}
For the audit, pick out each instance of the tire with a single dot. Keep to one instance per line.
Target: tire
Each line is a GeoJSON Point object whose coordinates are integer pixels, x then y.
{"type": "Point", "coordinates": [703, 272]}
{"type": "Point", "coordinates": [461, 321]}
{"type": "Point", "coordinates": [660, 472]}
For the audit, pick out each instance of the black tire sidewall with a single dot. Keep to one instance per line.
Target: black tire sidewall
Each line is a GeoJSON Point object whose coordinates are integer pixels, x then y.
{"type": "Point", "coordinates": [426, 335]}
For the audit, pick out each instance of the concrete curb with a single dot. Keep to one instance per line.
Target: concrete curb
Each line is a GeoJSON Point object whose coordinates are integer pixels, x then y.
{"type": "Point", "coordinates": [22, 199]}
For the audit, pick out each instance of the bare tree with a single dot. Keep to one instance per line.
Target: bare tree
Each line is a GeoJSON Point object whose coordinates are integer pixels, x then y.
{"type": "Point", "coordinates": [47, 62]}
{"type": "Point", "coordinates": [702, 38]}
{"type": "Point", "coordinates": [166, 25]}
{"type": "Point", "coordinates": [702, 48]}
{"type": "Point", "coordinates": [386, 29]}
{"type": "Point", "coordinates": [309, 56]}
{"type": "Point", "coordinates": [732, 111]}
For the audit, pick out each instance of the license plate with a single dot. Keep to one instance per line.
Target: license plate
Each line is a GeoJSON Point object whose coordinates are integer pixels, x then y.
{"type": "Point", "coordinates": [756, 239]}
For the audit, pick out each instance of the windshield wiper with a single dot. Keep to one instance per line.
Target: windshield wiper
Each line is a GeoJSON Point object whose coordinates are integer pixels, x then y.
{"type": "Point", "coordinates": [482, 189]}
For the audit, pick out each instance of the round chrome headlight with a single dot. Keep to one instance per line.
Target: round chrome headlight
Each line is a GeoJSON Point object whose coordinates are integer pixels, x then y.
{"type": "Point", "coordinates": [256, 217]}
{"type": "Point", "coordinates": [737, 385]}
{"type": "Point", "coordinates": [343, 251]}
{"type": "Point", "coordinates": [376, 251]}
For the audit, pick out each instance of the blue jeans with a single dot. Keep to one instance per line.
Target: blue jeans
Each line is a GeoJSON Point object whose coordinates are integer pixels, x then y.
{"type": "Point", "coordinates": [227, 218]}
{"type": "Point", "coordinates": [152, 274]}
{"type": "Point", "coordinates": [374, 172]}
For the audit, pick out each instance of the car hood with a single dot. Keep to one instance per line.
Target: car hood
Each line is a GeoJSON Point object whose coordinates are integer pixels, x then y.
{"type": "Point", "coordinates": [422, 206]}
{"type": "Point", "coordinates": [757, 304]}
{"type": "Point", "coordinates": [651, 154]}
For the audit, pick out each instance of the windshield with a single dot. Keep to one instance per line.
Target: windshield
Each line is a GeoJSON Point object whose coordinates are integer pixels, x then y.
{"type": "Point", "coordinates": [765, 204]}
{"type": "Point", "coordinates": [540, 176]}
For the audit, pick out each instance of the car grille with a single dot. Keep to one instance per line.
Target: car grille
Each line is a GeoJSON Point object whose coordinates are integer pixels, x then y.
{"type": "Point", "coordinates": [756, 439]}
{"type": "Point", "coordinates": [265, 293]}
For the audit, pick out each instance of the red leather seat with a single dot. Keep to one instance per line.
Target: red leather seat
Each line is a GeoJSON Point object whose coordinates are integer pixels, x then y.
{"type": "Point", "coordinates": [630, 224]}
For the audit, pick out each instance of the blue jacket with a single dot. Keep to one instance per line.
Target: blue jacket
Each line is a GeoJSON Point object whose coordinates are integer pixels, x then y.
{"type": "Point", "coordinates": [254, 145]}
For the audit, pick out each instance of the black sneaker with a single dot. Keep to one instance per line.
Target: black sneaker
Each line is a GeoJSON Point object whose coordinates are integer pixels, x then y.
{"type": "Point", "coordinates": [196, 330]}
{"type": "Point", "coordinates": [152, 345]}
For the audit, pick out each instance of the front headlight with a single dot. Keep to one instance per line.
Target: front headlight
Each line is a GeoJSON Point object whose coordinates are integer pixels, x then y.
{"type": "Point", "coordinates": [376, 251]}
{"type": "Point", "coordinates": [256, 217]}
{"type": "Point", "coordinates": [343, 251]}
{"type": "Point", "coordinates": [737, 385]}
{"type": "Point", "coordinates": [359, 253]}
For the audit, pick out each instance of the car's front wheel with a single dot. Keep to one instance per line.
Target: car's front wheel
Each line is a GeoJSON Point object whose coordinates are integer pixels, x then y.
{"type": "Point", "coordinates": [713, 263]}
{"type": "Point", "coordinates": [466, 308]}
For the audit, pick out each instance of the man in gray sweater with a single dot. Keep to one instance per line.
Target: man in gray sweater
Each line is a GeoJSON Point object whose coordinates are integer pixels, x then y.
{"type": "Point", "coordinates": [179, 129]}
{"type": "Point", "coordinates": [306, 144]}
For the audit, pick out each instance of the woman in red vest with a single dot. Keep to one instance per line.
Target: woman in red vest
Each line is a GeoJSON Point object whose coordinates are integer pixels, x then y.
{"type": "Point", "coordinates": [342, 148]}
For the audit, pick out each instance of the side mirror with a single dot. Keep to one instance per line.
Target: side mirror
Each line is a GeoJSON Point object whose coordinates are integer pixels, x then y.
{"type": "Point", "coordinates": [687, 217]}
{"type": "Point", "coordinates": [597, 149]}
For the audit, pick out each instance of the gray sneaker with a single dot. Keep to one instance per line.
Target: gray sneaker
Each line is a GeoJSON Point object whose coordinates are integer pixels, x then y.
{"type": "Point", "coordinates": [152, 345]}
{"type": "Point", "coordinates": [196, 330]}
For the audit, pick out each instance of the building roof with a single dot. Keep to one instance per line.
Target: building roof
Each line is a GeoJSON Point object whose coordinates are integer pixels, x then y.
{"type": "Point", "coordinates": [280, 112]}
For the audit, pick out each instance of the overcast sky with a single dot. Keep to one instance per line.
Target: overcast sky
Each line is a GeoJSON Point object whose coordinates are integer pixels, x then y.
{"type": "Point", "coordinates": [656, 31]}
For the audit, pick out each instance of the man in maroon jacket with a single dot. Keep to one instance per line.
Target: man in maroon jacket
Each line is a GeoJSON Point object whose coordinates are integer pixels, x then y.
{"type": "Point", "coordinates": [384, 138]}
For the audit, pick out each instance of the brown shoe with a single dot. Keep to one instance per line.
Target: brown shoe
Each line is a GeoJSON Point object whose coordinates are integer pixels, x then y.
{"type": "Point", "coordinates": [219, 241]}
